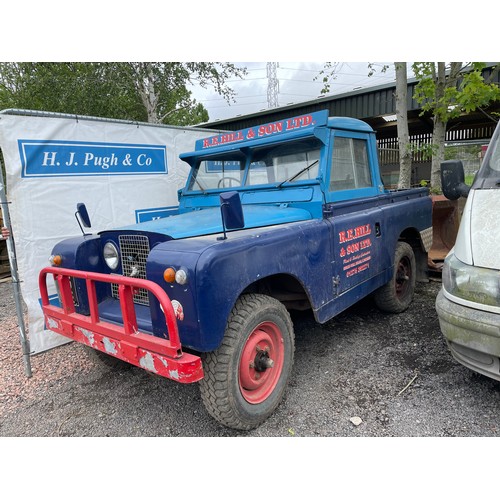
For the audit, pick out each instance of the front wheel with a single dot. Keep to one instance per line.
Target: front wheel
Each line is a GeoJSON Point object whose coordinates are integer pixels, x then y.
{"type": "Point", "coordinates": [396, 295]}
{"type": "Point", "coordinates": [245, 378]}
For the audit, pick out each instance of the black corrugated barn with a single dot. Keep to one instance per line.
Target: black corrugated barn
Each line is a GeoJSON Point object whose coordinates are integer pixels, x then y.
{"type": "Point", "coordinates": [375, 105]}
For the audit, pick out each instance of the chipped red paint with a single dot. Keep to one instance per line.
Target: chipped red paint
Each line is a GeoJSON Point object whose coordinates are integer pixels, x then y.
{"type": "Point", "coordinates": [161, 356]}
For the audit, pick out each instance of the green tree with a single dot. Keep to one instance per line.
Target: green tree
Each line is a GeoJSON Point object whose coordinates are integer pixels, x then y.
{"type": "Point", "coordinates": [156, 92]}
{"type": "Point", "coordinates": [79, 88]}
{"type": "Point", "coordinates": [444, 91]}
{"type": "Point", "coordinates": [447, 92]}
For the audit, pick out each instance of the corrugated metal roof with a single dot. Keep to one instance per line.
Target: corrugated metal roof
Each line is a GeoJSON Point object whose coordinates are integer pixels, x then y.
{"type": "Point", "coordinates": [369, 104]}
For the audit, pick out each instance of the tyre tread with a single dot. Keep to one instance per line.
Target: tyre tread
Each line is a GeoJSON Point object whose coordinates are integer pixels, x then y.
{"type": "Point", "coordinates": [385, 297]}
{"type": "Point", "coordinates": [214, 386]}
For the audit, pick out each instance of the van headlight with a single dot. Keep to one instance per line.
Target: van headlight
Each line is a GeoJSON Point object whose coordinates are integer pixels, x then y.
{"type": "Point", "coordinates": [476, 284]}
{"type": "Point", "coordinates": [110, 254]}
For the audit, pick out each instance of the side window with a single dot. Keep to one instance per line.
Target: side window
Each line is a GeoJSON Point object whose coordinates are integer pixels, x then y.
{"type": "Point", "coordinates": [350, 167]}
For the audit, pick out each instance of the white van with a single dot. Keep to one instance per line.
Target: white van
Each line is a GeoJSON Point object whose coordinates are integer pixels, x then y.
{"type": "Point", "coordinates": [468, 305]}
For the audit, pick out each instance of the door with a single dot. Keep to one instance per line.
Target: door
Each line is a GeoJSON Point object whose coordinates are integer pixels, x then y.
{"type": "Point", "coordinates": [353, 211]}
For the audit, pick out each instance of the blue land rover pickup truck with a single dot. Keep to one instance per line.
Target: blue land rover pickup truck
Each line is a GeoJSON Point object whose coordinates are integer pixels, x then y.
{"type": "Point", "coordinates": [286, 215]}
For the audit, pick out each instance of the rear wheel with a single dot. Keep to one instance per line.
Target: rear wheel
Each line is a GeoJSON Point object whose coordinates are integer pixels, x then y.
{"type": "Point", "coordinates": [396, 295]}
{"type": "Point", "coordinates": [245, 378]}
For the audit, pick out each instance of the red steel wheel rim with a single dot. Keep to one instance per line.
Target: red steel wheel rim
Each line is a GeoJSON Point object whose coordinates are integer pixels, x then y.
{"type": "Point", "coordinates": [403, 277]}
{"type": "Point", "coordinates": [261, 362]}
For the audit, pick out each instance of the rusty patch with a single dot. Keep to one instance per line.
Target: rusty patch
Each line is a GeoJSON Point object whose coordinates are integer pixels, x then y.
{"type": "Point", "coordinates": [109, 345]}
{"type": "Point", "coordinates": [147, 362]}
{"type": "Point", "coordinates": [89, 335]}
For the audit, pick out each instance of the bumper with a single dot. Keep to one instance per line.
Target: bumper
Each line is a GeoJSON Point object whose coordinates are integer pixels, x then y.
{"type": "Point", "coordinates": [158, 355]}
{"type": "Point", "coordinates": [473, 336]}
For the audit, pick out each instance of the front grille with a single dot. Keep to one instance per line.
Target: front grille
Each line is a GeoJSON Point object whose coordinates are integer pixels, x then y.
{"type": "Point", "coordinates": [72, 286]}
{"type": "Point", "coordinates": [134, 251]}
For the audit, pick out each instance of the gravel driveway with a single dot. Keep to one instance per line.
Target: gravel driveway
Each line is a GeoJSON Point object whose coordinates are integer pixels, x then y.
{"type": "Point", "coordinates": [393, 372]}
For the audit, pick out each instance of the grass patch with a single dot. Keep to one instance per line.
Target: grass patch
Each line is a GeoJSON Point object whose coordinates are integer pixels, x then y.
{"type": "Point", "coordinates": [469, 179]}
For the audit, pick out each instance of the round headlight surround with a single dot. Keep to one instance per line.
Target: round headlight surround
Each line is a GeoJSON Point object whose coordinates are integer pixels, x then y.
{"type": "Point", "coordinates": [111, 255]}
{"type": "Point", "coordinates": [181, 276]}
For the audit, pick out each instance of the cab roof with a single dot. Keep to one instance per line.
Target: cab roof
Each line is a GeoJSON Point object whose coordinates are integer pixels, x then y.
{"type": "Point", "coordinates": [282, 130]}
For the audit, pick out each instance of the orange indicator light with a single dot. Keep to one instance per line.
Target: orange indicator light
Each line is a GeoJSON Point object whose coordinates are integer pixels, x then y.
{"type": "Point", "coordinates": [55, 260]}
{"type": "Point", "coordinates": [169, 275]}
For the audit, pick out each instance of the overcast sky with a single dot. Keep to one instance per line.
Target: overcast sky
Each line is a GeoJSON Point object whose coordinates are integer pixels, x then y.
{"type": "Point", "coordinates": [296, 84]}
{"type": "Point", "coordinates": [227, 31]}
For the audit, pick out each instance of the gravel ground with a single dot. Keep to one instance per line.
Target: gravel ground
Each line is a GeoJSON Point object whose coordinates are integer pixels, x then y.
{"type": "Point", "coordinates": [393, 372]}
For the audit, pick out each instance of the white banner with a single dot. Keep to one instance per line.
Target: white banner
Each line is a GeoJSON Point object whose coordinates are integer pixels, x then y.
{"type": "Point", "coordinates": [124, 173]}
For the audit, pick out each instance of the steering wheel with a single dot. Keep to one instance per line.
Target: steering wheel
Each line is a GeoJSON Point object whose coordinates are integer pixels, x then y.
{"type": "Point", "coordinates": [230, 179]}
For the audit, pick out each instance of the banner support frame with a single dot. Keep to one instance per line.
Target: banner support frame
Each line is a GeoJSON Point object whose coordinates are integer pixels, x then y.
{"type": "Point", "coordinates": [23, 337]}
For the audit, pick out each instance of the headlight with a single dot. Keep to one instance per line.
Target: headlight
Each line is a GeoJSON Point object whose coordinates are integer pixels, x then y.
{"type": "Point", "coordinates": [181, 277]}
{"type": "Point", "coordinates": [476, 284]}
{"type": "Point", "coordinates": [170, 275]}
{"type": "Point", "coordinates": [110, 254]}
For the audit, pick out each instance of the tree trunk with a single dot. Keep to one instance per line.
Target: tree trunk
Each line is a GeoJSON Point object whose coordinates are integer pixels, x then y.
{"type": "Point", "coordinates": [438, 137]}
{"type": "Point", "coordinates": [146, 89]}
{"type": "Point", "coordinates": [402, 126]}
{"type": "Point", "coordinates": [439, 132]}
{"type": "Point", "coordinates": [443, 82]}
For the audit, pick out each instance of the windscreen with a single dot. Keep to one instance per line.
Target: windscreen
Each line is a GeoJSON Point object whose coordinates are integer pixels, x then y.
{"type": "Point", "coordinates": [277, 164]}
{"type": "Point", "coordinates": [489, 173]}
{"type": "Point", "coordinates": [218, 173]}
{"type": "Point", "coordinates": [292, 162]}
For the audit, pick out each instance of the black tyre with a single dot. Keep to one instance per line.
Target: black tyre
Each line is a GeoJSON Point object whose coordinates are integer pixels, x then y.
{"type": "Point", "coordinates": [245, 378]}
{"type": "Point", "coordinates": [107, 360]}
{"type": "Point", "coordinates": [396, 295]}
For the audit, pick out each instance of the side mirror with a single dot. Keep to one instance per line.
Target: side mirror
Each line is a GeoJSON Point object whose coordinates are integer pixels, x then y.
{"type": "Point", "coordinates": [81, 210]}
{"type": "Point", "coordinates": [453, 180]}
{"type": "Point", "coordinates": [231, 211]}
{"type": "Point", "coordinates": [81, 214]}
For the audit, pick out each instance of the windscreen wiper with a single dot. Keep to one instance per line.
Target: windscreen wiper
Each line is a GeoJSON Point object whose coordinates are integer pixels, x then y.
{"type": "Point", "coordinates": [294, 176]}
{"type": "Point", "coordinates": [202, 189]}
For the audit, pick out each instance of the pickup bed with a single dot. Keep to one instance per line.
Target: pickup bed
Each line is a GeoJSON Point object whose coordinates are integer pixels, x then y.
{"type": "Point", "coordinates": [283, 216]}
